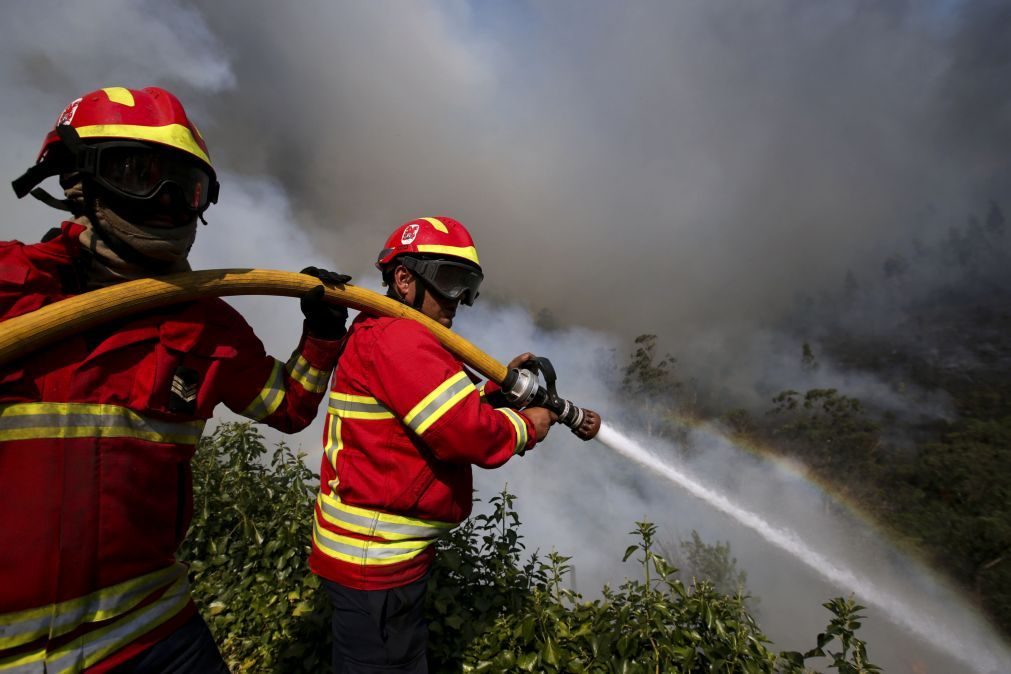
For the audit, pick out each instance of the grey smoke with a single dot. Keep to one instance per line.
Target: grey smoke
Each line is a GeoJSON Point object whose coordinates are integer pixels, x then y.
{"type": "Point", "coordinates": [690, 167]}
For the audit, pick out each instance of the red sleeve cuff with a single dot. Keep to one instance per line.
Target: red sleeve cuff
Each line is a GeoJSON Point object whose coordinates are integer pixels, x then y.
{"type": "Point", "coordinates": [321, 353]}
{"type": "Point", "coordinates": [531, 433]}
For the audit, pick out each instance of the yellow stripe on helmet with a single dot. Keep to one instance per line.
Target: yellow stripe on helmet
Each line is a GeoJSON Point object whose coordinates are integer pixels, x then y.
{"type": "Point", "coordinates": [120, 95]}
{"type": "Point", "coordinates": [468, 253]}
{"type": "Point", "coordinates": [173, 135]}
{"type": "Point", "coordinates": [438, 224]}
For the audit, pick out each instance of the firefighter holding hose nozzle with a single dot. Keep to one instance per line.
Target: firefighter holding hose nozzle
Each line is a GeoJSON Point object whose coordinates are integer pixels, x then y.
{"type": "Point", "coordinates": [405, 424]}
{"type": "Point", "coordinates": [97, 430]}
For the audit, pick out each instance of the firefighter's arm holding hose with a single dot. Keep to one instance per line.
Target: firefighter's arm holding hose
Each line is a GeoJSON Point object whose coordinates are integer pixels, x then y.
{"type": "Point", "coordinates": [286, 395]}
{"type": "Point", "coordinates": [542, 418]}
{"type": "Point", "coordinates": [522, 391]}
{"type": "Point", "coordinates": [424, 385]}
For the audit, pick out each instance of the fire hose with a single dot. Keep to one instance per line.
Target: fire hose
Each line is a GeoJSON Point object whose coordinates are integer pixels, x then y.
{"type": "Point", "coordinates": [25, 333]}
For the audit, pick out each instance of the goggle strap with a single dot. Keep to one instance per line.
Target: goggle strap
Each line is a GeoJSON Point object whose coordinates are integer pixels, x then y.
{"type": "Point", "coordinates": [33, 176]}
{"type": "Point", "coordinates": [70, 138]}
{"type": "Point", "coordinates": [51, 201]}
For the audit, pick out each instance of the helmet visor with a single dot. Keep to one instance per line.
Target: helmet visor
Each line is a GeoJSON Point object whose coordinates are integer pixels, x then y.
{"type": "Point", "coordinates": [139, 171]}
{"type": "Point", "coordinates": [452, 280]}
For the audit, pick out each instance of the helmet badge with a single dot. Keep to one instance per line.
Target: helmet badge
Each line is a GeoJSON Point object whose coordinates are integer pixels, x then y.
{"type": "Point", "coordinates": [68, 113]}
{"type": "Point", "coordinates": [410, 233]}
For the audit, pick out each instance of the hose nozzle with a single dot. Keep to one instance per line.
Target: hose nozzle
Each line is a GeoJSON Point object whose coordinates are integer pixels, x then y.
{"type": "Point", "coordinates": [522, 389]}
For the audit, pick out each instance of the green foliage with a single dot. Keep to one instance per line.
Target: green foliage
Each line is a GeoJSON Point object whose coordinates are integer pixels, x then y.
{"type": "Point", "coordinates": [650, 381]}
{"type": "Point", "coordinates": [489, 609]}
{"type": "Point", "coordinates": [713, 563]}
{"type": "Point", "coordinates": [648, 625]}
{"type": "Point", "coordinates": [645, 376]}
{"type": "Point", "coordinates": [825, 426]}
{"type": "Point", "coordinates": [478, 577]}
{"type": "Point", "coordinates": [247, 550]}
{"type": "Point", "coordinates": [851, 656]}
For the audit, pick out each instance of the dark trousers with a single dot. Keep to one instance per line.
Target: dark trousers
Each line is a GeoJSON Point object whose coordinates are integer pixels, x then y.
{"type": "Point", "coordinates": [188, 650]}
{"type": "Point", "coordinates": [379, 630]}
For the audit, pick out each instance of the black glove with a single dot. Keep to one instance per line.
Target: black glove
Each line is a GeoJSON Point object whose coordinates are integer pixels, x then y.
{"type": "Point", "coordinates": [329, 277]}
{"type": "Point", "coordinates": [324, 320]}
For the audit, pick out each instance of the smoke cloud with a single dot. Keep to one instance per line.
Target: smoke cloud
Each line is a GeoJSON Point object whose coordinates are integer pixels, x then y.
{"type": "Point", "coordinates": [665, 167]}
{"type": "Point", "coordinates": [684, 169]}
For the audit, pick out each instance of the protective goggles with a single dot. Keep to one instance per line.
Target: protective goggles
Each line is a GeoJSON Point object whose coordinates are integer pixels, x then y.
{"type": "Point", "coordinates": [140, 171]}
{"type": "Point", "coordinates": [452, 280]}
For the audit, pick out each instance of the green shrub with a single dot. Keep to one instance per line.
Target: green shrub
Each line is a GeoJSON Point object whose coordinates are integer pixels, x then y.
{"type": "Point", "coordinates": [490, 610]}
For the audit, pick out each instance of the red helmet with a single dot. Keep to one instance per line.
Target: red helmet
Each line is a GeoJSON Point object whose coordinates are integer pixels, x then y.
{"type": "Point", "coordinates": [440, 251]}
{"type": "Point", "coordinates": [439, 236]}
{"type": "Point", "coordinates": [150, 116]}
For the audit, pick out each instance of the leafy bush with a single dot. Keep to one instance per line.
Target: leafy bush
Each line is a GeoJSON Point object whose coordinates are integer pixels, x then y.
{"type": "Point", "coordinates": [247, 550]}
{"type": "Point", "coordinates": [489, 609]}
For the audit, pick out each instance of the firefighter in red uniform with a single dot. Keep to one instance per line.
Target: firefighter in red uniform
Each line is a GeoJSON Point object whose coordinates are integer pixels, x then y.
{"type": "Point", "coordinates": [97, 431]}
{"type": "Point", "coordinates": [404, 426]}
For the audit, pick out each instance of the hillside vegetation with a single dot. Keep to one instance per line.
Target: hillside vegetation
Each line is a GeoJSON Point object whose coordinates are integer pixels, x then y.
{"type": "Point", "coordinates": [492, 607]}
{"type": "Point", "coordinates": [934, 323]}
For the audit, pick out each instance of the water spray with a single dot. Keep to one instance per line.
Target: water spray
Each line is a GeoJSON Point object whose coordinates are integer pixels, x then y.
{"type": "Point", "coordinates": [990, 660]}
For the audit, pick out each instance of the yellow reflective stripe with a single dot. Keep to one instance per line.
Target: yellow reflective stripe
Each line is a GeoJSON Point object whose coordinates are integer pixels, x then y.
{"type": "Point", "coordinates": [351, 398]}
{"type": "Point", "coordinates": [92, 647]}
{"type": "Point", "coordinates": [54, 620]}
{"type": "Point", "coordinates": [35, 421]}
{"type": "Point", "coordinates": [24, 663]}
{"type": "Point", "coordinates": [312, 379]}
{"type": "Point", "coordinates": [469, 252]}
{"type": "Point", "coordinates": [174, 135]}
{"type": "Point", "coordinates": [22, 627]}
{"type": "Point", "coordinates": [334, 442]}
{"type": "Point", "coordinates": [370, 522]}
{"type": "Point", "coordinates": [518, 425]}
{"type": "Point", "coordinates": [433, 406]}
{"type": "Point", "coordinates": [438, 224]}
{"type": "Point", "coordinates": [480, 389]}
{"type": "Point", "coordinates": [270, 396]}
{"type": "Point", "coordinates": [347, 406]}
{"type": "Point", "coordinates": [357, 551]}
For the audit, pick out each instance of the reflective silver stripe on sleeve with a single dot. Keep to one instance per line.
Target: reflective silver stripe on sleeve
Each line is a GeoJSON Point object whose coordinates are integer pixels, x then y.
{"type": "Point", "coordinates": [519, 426]}
{"type": "Point", "coordinates": [312, 379]}
{"type": "Point", "coordinates": [270, 396]}
{"type": "Point", "coordinates": [437, 403]}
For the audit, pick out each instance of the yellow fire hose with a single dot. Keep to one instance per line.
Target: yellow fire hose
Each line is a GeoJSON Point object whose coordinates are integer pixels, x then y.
{"type": "Point", "coordinates": [28, 332]}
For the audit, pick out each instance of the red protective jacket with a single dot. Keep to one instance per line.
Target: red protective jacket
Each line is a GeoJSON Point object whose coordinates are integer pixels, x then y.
{"type": "Point", "coordinates": [96, 436]}
{"type": "Point", "coordinates": [404, 425]}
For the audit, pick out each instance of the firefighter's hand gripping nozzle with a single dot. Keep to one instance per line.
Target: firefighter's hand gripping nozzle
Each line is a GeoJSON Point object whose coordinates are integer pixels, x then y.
{"type": "Point", "coordinates": [522, 389]}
